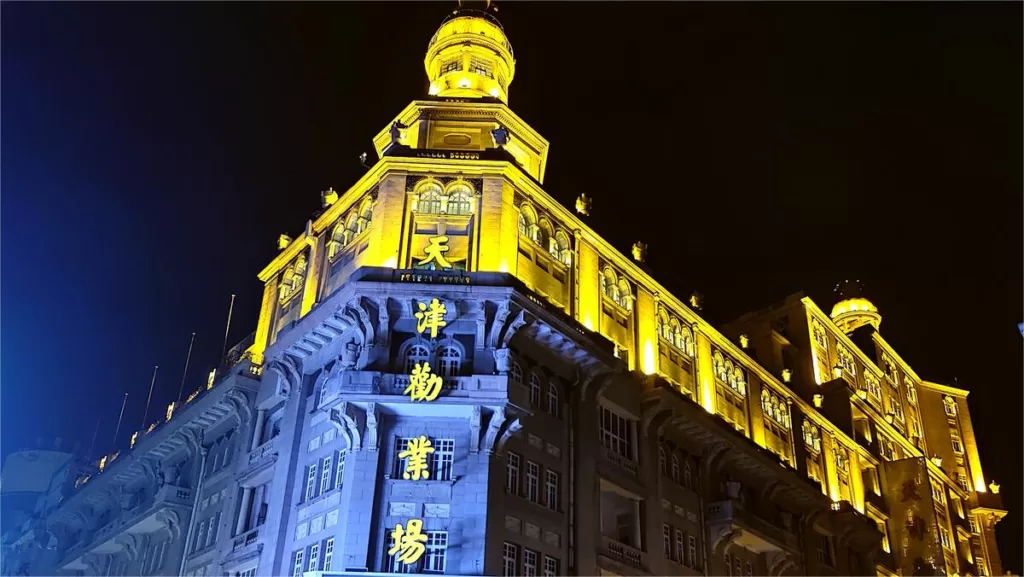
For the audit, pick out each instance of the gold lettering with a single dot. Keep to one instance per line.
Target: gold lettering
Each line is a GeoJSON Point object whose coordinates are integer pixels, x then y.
{"type": "Point", "coordinates": [438, 245]}
{"type": "Point", "coordinates": [408, 542]}
{"type": "Point", "coordinates": [431, 317]}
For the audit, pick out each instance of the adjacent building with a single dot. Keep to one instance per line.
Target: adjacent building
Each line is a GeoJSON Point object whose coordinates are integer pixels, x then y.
{"type": "Point", "coordinates": [452, 373]}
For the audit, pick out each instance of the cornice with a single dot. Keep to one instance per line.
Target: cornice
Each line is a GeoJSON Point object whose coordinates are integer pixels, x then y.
{"type": "Point", "coordinates": [945, 389]}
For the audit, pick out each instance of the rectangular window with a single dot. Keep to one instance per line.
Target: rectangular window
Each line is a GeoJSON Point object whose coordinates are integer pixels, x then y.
{"type": "Point", "coordinates": [551, 488]}
{"type": "Point", "coordinates": [451, 65]}
{"type": "Point", "coordinates": [480, 67]}
{"type": "Point", "coordinates": [749, 569]}
{"type": "Point", "coordinates": [617, 433]}
{"type": "Point", "coordinates": [550, 566]}
{"type": "Point", "coordinates": [325, 475]}
{"type": "Point", "coordinates": [736, 565]}
{"type": "Point", "coordinates": [691, 556]}
{"type": "Point", "coordinates": [297, 563]}
{"type": "Point", "coordinates": [944, 538]}
{"type": "Point", "coordinates": [443, 458]}
{"type": "Point", "coordinates": [679, 551]}
{"type": "Point", "coordinates": [509, 559]}
{"type": "Point", "coordinates": [512, 474]}
{"type": "Point", "coordinates": [314, 556]}
{"type": "Point", "coordinates": [825, 550]}
{"type": "Point", "coordinates": [211, 535]}
{"type": "Point", "coordinates": [973, 524]}
{"type": "Point", "coordinates": [533, 481]}
{"type": "Point", "coordinates": [529, 563]}
{"type": "Point", "coordinates": [310, 482]}
{"type": "Point", "coordinates": [666, 540]}
{"type": "Point", "coordinates": [436, 556]}
{"type": "Point", "coordinates": [339, 476]}
{"type": "Point", "coordinates": [328, 554]}
{"type": "Point", "coordinates": [200, 536]}
{"type": "Point", "coordinates": [728, 565]}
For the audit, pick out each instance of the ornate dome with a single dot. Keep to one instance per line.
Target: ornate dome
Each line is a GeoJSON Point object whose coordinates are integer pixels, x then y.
{"type": "Point", "coordinates": [469, 55]}
{"type": "Point", "coordinates": [853, 310]}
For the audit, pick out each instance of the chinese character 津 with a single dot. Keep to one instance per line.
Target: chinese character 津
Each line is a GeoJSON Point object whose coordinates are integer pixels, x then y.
{"type": "Point", "coordinates": [408, 542]}
{"type": "Point", "coordinates": [431, 317]}
{"type": "Point", "coordinates": [423, 386]}
{"type": "Point", "coordinates": [416, 458]}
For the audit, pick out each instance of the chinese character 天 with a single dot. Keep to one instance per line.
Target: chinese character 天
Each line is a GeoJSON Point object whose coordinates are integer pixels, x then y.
{"type": "Point", "coordinates": [423, 386]}
{"type": "Point", "coordinates": [416, 458]}
{"type": "Point", "coordinates": [431, 317]}
{"type": "Point", "coordinates": [434, 251]}
{"type": "Point", "coordinates": [408, 542]}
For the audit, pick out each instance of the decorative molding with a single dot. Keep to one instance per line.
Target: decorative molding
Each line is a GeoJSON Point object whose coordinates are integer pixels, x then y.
{"type": "Point", "coordinates": [372, 428]}
{"type": "Point", "coordinates": [493, 428]}
{"type": "Point", "coordinates": [474, 430]}
{"type": "Point", "coordinates": [512, 430]}
{"type": "Point", "coordinates": [345, 417]}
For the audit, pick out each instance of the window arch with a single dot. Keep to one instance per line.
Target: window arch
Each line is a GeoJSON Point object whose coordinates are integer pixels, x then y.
{"type": "Point", "coordinates": [662, 462]}
{"type": "Point", "coordinates": [686, 341]}
{"type": "Point", "coordinates": [351, 226]}
{"type": "Point", "coordinates": [687, 474]}
{"type": "Point", "coordinates": [534, 390]}
{"type": "Point", "coordinates": [553, 400]}
{"type": "Point", "coordinates": [365, 215]}
{"type": "Point", "coordinates": [625, 295]}
{"type": "Point", "coordinates": [812, 436]}
{"type": "Point", "coordinates": [718, 365]}
{"type": "Point", "coordinates": [460, 200]}
{"type": "Point", "coordinates": [543, 234]}
{"type": "Point", "coordinates": [338, 240]}
{"type": "Point", "coordinates": [676, 471]}
{"type": "Point", "coordinates": [664, 328]}
{"type": "Point", "coordinates": [449, 359]}
{"type": "Point", "coordinates": [429, 199]}
{"type": "Point", "coordinates": [415, 354]}
{"type": "Point", "coordinates": [527, 221]}
{"type": "Point", "coordinates": [739, 382]}
{"type": "Point", "coordinates": [516, 372]}
{"type": "Point", "coordinates": [610, 284]}
{"type": "Point", "coordinates": [675, 332]}
{"type": "Point", "coordinates": [560, 248]}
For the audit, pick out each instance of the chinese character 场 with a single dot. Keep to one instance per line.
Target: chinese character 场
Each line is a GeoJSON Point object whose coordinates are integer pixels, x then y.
{"type": "Point", "coordinates": [438, 245]}
{"type": "Point", "coordinates": [431, 317]}
{"type": "Point", "coordinates": [416, 455]}
{"type": "Point", "coordinates": [423, 386]}
{"type": "Point", "coordinates": [408, 542]}
{"type": "Point", "coordinates": [909, 492]}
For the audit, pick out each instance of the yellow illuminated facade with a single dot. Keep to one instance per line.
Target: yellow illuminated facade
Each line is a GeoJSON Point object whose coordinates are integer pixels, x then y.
{"type": "Point", "coordinates": [457, 188]}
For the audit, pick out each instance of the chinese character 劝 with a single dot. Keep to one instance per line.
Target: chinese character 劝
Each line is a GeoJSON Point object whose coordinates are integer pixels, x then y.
{"type": "Point", "coordinates": [431, 317]}
{"type": "Point", "coordinates": [423, 386]}
{"type": "Point", "coordinates": [435, 249]}
{"type": "Point", "coordinates": [416, 455]}
{"type": "Point", "coordinates": [409, 542]}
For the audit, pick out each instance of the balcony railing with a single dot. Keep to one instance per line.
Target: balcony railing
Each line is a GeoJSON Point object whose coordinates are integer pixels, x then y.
{"type": "Point", "coordinates": [246, 539]}
{"type": "Point", "coordinates": [622, 552]}
{"type": "Point", "coordinates": [626, 463]}
{"type": "Point", "coordinates": [730, 511]}
{"type": "Point", "coordinates": [263, 452]}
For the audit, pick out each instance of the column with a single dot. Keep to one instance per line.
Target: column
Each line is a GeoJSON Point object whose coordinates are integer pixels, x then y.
{"type": "Point", "coordinates": [257, 434]}
{"type": "Point", "coordinates": [243, 512]}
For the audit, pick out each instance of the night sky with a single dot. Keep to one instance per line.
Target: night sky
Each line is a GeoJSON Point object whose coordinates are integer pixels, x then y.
{"type": "Point", "coordinates": [153, 152]}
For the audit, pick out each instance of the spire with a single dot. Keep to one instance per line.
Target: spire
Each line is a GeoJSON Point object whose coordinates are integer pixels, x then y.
{"type": "Point", "coordinates": [469, 55]}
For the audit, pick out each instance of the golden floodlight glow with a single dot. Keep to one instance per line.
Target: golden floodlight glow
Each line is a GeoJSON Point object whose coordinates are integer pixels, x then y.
{"type": "Point", "coordinates": [465, 83]}
{"type": "Point", "coordinates": [648, 367]}
{"type": "Point", "coordinates": [434, 90]}
{"type": "Point", "coordinates": [391, 262]}
{"type": "Point", "coordinates": [494, 92]}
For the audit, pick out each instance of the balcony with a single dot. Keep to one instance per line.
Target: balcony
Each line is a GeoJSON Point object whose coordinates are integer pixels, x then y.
{"type": "Point", "coordinates": [622, 553]}
{"type": "Point", "coordinates": [629, 465]}
{"type": "Point", "coordinates": [245, 540]}
{"type": "Point", "coordinates": [990, 501]}
{"type": "Point", "coordinates": [263, 453]}
{"type": "Point", "coordinates": [754, 533]}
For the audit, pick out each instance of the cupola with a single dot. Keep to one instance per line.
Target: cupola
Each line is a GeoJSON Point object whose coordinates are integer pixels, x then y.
{"type": "Point", "coordinates": [853, 310]}
{"type": "Point", "coordinates": [469, 55]}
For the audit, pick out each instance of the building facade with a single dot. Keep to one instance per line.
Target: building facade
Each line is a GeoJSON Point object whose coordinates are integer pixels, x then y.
{"type": "Point", "coordinates": [452, 373]}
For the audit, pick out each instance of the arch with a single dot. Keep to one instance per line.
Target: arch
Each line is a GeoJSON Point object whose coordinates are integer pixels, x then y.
{"type": "Point", "coordinates": [560, 248]}
{"type": "Point", "coordinates": [449, 357]}
{"type": "Point", "coordinates": [554, 399]}
{"type": "Point", "coordinates": [674, 333]}
{"type": "Point", "coordinates": [414, 351]}
{"type": "Point", "coordinates": [610, 284]}
{"type": "Point", "coordinates": [365, 214]}
{"type": "Point", "coordinates": [337, 241]}
{"type": "Point", "coordinates": [543, 234]}
{"type": "Point", "coordinates": [686, 340]}
{"type": "Point", "coordinates": [664, 327]}
{"type": "Point", "coordinates": [687, 474]}
{"type": "Point", "coordinates": [740, 381]}
{"type": "Point", "coordinates": [345, 418]}
{"type": "Point", "coordinates": [662, 461]}
{"type": "Point", "coordinates": [625, 294]}
{"type": "Point", "coordinates": [428, 197]}
{"type": "Point", "coordinates": [460, 199]}
{"type": "Point", "coordinates": [516, 372]}
{"type": "Point", "coordinates": [535, 389]}
{"type": "Point", "coordinates": [527, 221]}
{"type": "Point", "coordinates": [676, 471]}
{"type": "Point", "coordinates": [718, 366]}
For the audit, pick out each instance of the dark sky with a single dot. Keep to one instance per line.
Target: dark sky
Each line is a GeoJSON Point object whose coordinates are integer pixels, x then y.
{"type": "Point", "coordinates": [152, 152]}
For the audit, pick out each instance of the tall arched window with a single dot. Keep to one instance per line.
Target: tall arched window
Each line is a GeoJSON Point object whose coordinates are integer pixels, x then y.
{"type": "Point", "coordinates": [664, 327]}
{"type": "Point", "coordinates": [625, 295]}
{"type": "Point", "coordinates": [534, 390]}
{"type": "Point", "coordinates": [414, 355]}
{"type": "Point", "coordinates": [686, 338]}
{"type": "Point", "coordinates": [338, 240]}
{"type": "Point", "coordinates": [351, 227]}
{"type": "Point", "coordinates": [718, 365]}
{"type": "Point", "coordinates": [365, 214]}
{"type": "Point", "coordinates": [553, 405]}
{"type": "Point", "coordinates": [543, 235]}
{"type": "Point", "coordinates": [460, 200]}
{"type": "Point", "coordinates": [429, 201]}
{"type": "Point", "coordinates": [449, 361]}
{"type": "Point", "coordinates": [687, 475]}
{"type": "Point", "coordinates": [675, 333]}
{"type": "Point", "coordinates": [662, 462]}
{"type": "Point", "coordinates": [609, 285]}
{"type": "Point", "coordinates": [527, 222]}
{"type": "Point", "coordinates": [676, 471]}
{"type": "Point", "coordinates": [560, 248]}
{"type": "Point", "coordinates": [516, 372]}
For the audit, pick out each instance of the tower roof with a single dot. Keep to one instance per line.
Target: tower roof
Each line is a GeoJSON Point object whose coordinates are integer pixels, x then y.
{"type": "Point", "coordinates": [853, 310]}
{"type": "Point", "coordinates": [469, 55]}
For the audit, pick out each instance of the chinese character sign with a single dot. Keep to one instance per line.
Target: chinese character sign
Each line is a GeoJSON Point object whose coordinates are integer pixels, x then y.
{"type": "Point", "coordinates": [434, 251]}
{"type": "Point", "coordinates": [431, 317]}
{"type": "Point", "coordinates": [408, 542]}
{"type": "Point", "coordinates": [423, 386]}
{"type": "Point", "coordinates": [416, 458]}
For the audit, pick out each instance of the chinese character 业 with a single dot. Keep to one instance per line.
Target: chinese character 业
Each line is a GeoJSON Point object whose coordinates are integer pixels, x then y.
{"type": "Point", "coordinates": [416, 455]}
{"type": "Point", "coordinates": [438, 245]}
{"type": "Point", "coordinates": [423, 386]}
{"type": "Point", "coordinates": [431, 317]}
{"type": "Point", "coordinates": [408, 542]}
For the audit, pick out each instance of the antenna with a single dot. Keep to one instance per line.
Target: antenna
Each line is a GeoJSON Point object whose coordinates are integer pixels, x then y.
{"type": "Point", "coordinates": [119, 417]}
{"type": "Point", "coordinates": [185, 371]}
{"type": "Point", "coordinates": [150, 397]}
{"type": "Point", "coordinates": [224, 348]}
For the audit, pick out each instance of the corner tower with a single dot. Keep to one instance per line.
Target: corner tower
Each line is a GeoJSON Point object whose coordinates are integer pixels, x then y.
{"type": "Point", "coordinates": [469, 55]}
{"type": "Point", "coordinates": [853, 310]}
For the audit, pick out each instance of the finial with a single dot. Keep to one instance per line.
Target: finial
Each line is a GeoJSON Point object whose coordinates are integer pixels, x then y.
{"type": "Point", "coordinates": [639, 252]}
{"type": "Point", "coordinates": [328, 197]}
{"type": "Point", "coordinates": [583, 204]}
{"type": "Point", "coordinates": [283, 241]}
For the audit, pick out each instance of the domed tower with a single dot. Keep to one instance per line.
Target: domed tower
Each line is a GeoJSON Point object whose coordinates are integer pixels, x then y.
{"type": "Point", "coordinates": [469, 55]}
{"type": "Point", "coordinates": [853, 310]}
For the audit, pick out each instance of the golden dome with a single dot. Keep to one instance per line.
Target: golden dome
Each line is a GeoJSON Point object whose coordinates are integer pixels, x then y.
{"type": "Point", "coordinates": [853, 310]}
{"type": "Point", "coordinates": [470, 56]}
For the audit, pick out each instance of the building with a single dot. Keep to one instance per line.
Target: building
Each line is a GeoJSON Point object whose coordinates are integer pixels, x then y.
{"type": "Point", "coordinates": [452, 373]}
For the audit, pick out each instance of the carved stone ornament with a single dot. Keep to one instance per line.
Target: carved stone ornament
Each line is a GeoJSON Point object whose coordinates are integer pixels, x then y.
{"type": "Point", "coordinates": [501, 360]}
{"type": "Point", "coordinates": [350, 354]}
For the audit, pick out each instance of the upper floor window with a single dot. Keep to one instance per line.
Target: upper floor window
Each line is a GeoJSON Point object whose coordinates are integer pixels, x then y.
{"type": "Point", "coordinates": [820, 336]}
{"type": "Point", "coordinates": [560, 248]}
{"type": "Point", "coordinates": [535, 388]}
{"type": "Point", "coordinates": [616, 433]}
{"type": "Point", "coordinates": [729, 374]}
{"type": "Point", "coordinates": [676, 333]}
{"type": "Point", "coordinates": [415, 355]}
{"type": "Point", "coordinates": [553, 403]}
{"type": "Point", "coordinates": [543, 237]}
{"type": "Point", "coordinates": [846, 360]}
{"type": "Point", "coordinates": [460, 200]}
{"type": "Point", "coordinates": [516, 372]}
{"type": "Point", "coordinates": [950, 405]}
{"type": "Point", "coordinates": [449, 361]}
{"type": "Point", "coordinates": [812, 436]}
{"type": "Point", "coordinates": [911, 391]}
{"type": "Point", "coordinates": [662, 461]}
{"type": "Point", "coordinates": [528, 222]}
{"type": "Point", "coordinates": [872, 385]}
{"type": "Point", "coordinates": [677, 471]}
{"type": "Point", "coordinates": [292, 280]}
{"type": "Point", "coordinates": [429, 200]}
{"type": "Point", "coordinates": [480, 67]}
{"type": "Point", "coordinates": [349, 227]}
{"type": "Point", "coordinates": [617, 289]}
{"type": "Point", "coordinates": [775, 408]}
{"type": "Point", "coordinates": [452, 65]}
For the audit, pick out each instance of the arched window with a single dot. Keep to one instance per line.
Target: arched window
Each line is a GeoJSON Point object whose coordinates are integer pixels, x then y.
{"type": "Point", "coordinates": [686, 341]}
{"type": "Point", "coordinates": [664, 329]}
{"type": "Point", "coordinates": [527, 222]}
{"type": "Point", "coordinates": [365, 214]}
{"type": "Point", "coordinates": [553, 399]}
{"type": "Point", "coordinates": [662, 462]}
{"type": "Point", "coordinates": [674, 333]}
{"type": "Point", "coordinates": [687, 475]}
{"type": "Point", "coordinates": [543, 235]}
{"type": "Point", "coordinates": [429, 201]}
{"type": "Point", "coordinates": [414, 355]}
{"type": "Point", "coordinates": [351, 227]}
{"type": "Point", "coordinates": [625, 295]}
{"type": "Point", "coordinates": [460, 200]}
{"type": "Point", "coordinates": [516, 372]}
{"type": "Point", "coordinates": [560, 248]}
{"type": "Point", "coordinates": [338, 240]}
{"type": "Point", "coordinates": [730, 374]}
{"type": "Point", "coordinates": [739, 382]}
{"type": "Point", "coordinates": [676, 471]}
{"type": "Point", "coordinates": [812, 437]}
{"type": "Point", "coordinates": [766, 404]}
{"type": "Point", "coordinates": [450, 361]}
{"type": "Point", "coordinates": [534, 390]}
{"type": "Point", "coordinates": [609, 285]}
{"type": "Point", "coordinates": [718, 365]}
